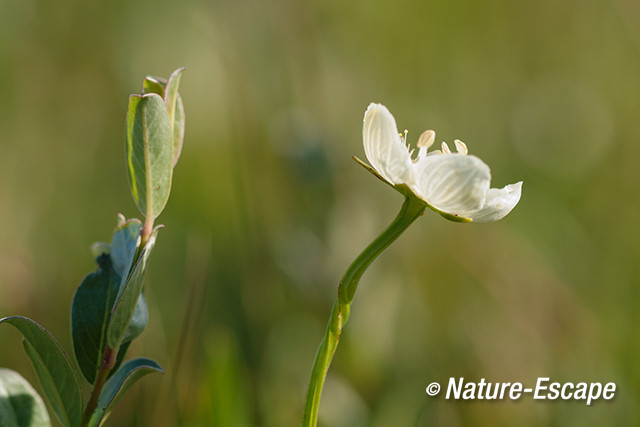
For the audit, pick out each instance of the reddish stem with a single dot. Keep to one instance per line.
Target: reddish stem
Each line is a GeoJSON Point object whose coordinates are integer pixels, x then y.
{"type": "Point", "coordinates": [108, 362]}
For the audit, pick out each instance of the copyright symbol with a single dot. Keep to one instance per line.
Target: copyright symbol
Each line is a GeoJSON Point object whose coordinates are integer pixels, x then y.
{"type": "Point", "coordinates": [433, 389]}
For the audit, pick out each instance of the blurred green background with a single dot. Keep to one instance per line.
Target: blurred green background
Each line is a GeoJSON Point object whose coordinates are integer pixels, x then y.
{"type": "Point", "coordinates": [268, 209]}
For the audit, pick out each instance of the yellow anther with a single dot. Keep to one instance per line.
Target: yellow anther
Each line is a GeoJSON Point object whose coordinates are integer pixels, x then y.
{"type": "Point", "coordinates": [445, 148]}
{"type": "Point", "coordinates": [461, 147]}
{"type": "Point", "coordinates": [427, 139]}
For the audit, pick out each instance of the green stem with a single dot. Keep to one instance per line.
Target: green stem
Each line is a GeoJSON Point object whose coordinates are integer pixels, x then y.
{"type": "Point", "coordinates": [110, 354]}
{"type": "Point", "coordinates": [411, 209]}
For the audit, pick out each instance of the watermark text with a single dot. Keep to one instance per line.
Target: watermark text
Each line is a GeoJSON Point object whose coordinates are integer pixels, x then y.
{"type": "Point", "coordinates": [545, 389]}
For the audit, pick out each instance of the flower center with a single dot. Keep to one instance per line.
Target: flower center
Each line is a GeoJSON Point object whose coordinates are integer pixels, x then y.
{"type": "Point", "coordinates": [426, 140]}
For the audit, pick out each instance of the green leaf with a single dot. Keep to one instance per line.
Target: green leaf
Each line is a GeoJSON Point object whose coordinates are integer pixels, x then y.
{"type": "Point", "coordinates": [225, 398]}
{"type": "Point", "coordinates": [94, 299]}
{"type": "Point", "coordinates": [168, 90]}
{"type": "Point", "coordinates": [124, 244]}
{"type": "Point", "coordinates": [128, 296]}
{"type": "Point", "coordinates": [54, 370]}
{"type": "Point", "coordinates": [149, 150]}
{"type": "Point", "coordinates": [20, 404]}
{"type": "Point", "coordinates": [178, 130]}
{"type": "Point", "coordinates": [99, 248]}
{"type": "Point", "coordinates": [120, 383]}
{"type": "Point", "coordinates": [153, 85]}
{"type": "Point", "coordinates": [138, 321]}
{"type": "Point", "coordinates": [90, 313]}
{"type": "Point", "coordinates": [175, 109]}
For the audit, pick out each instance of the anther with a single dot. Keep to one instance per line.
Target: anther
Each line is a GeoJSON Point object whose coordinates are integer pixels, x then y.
{"type": "Point", "coordinates": [461, 147]}
{"type": "Point", "coordinates": [427, 139]}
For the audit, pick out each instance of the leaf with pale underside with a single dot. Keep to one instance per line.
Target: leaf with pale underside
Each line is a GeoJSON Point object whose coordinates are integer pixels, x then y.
{"type": "Point", "coordinates": [124, 244]}
{"type": "Point", "coordinates": [153, 85]}
{"type": "Point", "coordinates": [128, 296]}
{"type": "Point", "coordinates": [20, 404]}
{"type": "Point", "coordinates": [168, 90]}
{"type": "Point", "coordinates": [120, 383]}
{"type": "Point", "coordinates": [53, 368]}
{"type": "Point", "coordinates": [175, 109]}
{"type": "Point", "coordinates": [149, 152]}
{"type": "Point", "coordinates": [96, 295]}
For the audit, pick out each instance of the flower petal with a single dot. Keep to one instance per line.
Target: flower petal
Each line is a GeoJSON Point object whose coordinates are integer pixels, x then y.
{"type": "Point", "coordinates": [499, 203]}
{"type": "Point", "coordinates": [453, 183]}
{"type": "Point", "coordinates": [383, 146]}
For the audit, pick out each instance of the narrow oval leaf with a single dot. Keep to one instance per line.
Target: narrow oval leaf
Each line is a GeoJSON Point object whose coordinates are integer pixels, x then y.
{"type": "Point", "coordinates": [171, 92]}
{"type": "Point", "coordinates": [57, 377]}
{"type": "Point", "coordinates": [128, 296]}
{"type": "Point", "coordinates": [90, 312]}
{"type": "Point", "coordinates": [168, 89]}
{"type": "Point", "coordinates": [153, 85]}
{"type": "Point", "coordinates": [124, 244]}
{"type": "Point", "coordinates": [178, 130]}
{"type": "Point", "coordinates": [149, 150]}
{"type": "Point", "coordinates": [175, 109]}
{"type": "Point", "coordinates": [95, 297]}
{"type": "Point", "coordinates": [121, 382]}
{"type": "Point", "coordinates": [138, 321]}
{"type": "Point", "coordinates": [20, 404]}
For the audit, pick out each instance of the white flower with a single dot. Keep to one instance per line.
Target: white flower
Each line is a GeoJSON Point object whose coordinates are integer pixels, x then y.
{"type": "Point", "coordinates": [454, 184]}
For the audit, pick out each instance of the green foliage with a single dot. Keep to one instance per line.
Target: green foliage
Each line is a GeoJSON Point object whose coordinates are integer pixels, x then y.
{"type": "Point", "coordinates": [124, 244]}
{"type": "Point", "coordinates": [149, 150]}
{"type": "Point", "coordinates": [154, 136]}
{"type": "Point", "coordinates": [227, 399]}
{"type": "Point", "coordinates": [20, 404]}
{"type": "Point", "coordinates": [124, 309]}
{"type": "Point", "coordinates": [54, 370]}
{"type": "Point", "coordinates": [95, 297]}
{"type": "Point", "coordinates": [153, 85]}
{"type": "Point", "coordinates": [109, 309]}
{"type": "Point", "coordinates": [120, 382]}
{"type": "Point", "coordinates": [168, 90]}
{"type": "Point", "coordinates": [123, 253]}
{"type": "Point", "coordinates": [280, 87]}
{"type": "Point", "coordinates": [175, 109]}
{"type": "Point", "coordinates": [90, 313]}
{"type": "Point", "coordinates": [138, 320]}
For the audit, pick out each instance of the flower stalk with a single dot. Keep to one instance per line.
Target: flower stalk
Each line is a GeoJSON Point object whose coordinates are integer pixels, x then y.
{"type": "Point", "coordinates": [455, 185]}
{"type": "Point", "coordinates": [412, 208]}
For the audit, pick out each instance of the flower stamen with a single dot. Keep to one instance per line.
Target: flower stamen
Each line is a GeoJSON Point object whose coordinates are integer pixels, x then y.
{"type": "Point", "coordinates": [461, 147]}
{"type": "Point", "coordinates": [427, 139]}
{"type": "Point", "coordinates": [445, 148]}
